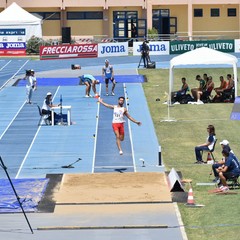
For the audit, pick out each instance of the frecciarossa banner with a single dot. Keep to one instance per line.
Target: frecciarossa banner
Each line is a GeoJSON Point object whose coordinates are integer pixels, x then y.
{"type": "Point", "coordinates": [69, 51]}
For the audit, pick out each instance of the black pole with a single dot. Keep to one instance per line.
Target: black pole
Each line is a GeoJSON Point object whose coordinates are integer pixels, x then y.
{"type": "Point", "coordinates": [61, 109]}
{"type": "Point", "coordinates": [18, 199]}
{"type": "Point", "coordinates": [159, 156]}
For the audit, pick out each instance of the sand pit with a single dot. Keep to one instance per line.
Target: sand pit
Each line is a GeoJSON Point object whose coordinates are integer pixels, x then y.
{"type": "Point", "coordinates": [113, 188]}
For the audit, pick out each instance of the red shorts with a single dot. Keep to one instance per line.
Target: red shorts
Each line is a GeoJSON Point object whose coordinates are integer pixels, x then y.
{"type": "Point", "coordinates": [119, 127]}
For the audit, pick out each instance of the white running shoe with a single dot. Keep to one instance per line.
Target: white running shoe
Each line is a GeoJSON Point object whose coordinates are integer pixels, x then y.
{"type": "Point", "coordinates": [86, 96]}
{"type": "Point", "coordinates": [224, 189]}
{"type": "Point", "coordinates": [106, 94]}
{"type": "Point", "coordinates": [121, 152]}
{"type": "Point", "coordinates": [113, 94]}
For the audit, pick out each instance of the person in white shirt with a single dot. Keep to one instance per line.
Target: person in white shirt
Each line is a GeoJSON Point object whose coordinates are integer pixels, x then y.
{"type": "Point", "coordinates": [47, 105]}
{"type": "Point", "coordinates": [119, 111]}
{"type": "Point", "coordinates": [31, 84]}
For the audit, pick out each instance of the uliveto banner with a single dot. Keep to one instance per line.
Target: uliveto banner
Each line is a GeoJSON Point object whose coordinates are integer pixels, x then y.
{"type": "Point", "coordinates": [69, 51]}
{"type": "Point", "coordinates": [179, 47]}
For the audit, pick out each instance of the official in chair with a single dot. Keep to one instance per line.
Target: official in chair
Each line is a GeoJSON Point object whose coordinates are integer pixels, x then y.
{"type": "Point", "coordinates": [230, 170]}
{"type": "Point", "coordinates": [207, 146]}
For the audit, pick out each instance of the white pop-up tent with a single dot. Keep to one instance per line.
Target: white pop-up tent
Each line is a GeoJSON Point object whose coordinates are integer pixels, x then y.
{"type": "Point", "coordinates": [15, 17]}
{"type": "Point", "coordinates": [202, 56]}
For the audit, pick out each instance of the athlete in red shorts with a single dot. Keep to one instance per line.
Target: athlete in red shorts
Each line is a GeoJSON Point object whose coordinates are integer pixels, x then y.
{"type": "Point", "coordinates": [119, 111]}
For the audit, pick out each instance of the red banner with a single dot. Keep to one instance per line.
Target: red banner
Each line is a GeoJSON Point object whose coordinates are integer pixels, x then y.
{"type": "Point", "coordinates": [12, 52]}
{"type": "Point", "coordinates": [69, 51]}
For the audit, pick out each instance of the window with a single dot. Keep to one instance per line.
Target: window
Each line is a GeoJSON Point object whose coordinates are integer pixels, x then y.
{"type": "Point", "coordinates": [232, 12]}
{"type": "Point", "coordinates": [198, 12]}
{"type": "Point", "coordinates": [84, 15]}
{"type": "Point", "coordinates": [47, 15]}
{"type": "Point", "coordinates": [215, 12]}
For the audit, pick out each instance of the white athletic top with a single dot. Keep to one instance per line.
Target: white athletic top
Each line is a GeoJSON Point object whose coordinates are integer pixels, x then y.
{"type": "Point", "coordinates": [118, 114]}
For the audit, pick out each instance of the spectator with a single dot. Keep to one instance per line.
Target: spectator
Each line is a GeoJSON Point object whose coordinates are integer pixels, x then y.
{"type": "Point", "coordinates": [198, 90]}
{"type": "Point", "coordinates": [207, 146]}
{"type": "Point", "coordinates": [229, 170]}
{"type": "Point", "coordinates": [204, 95]}
{"type": "Point", "coordinates": [223, 85]}
{"type": "Point", "coordinates": [177, 96]}
{"type": "Point", "coordinates": [225, 145]}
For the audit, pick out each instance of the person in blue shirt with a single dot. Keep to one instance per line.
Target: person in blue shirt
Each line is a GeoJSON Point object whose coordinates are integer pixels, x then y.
{"type": "Point", "coordinates": [89, 80]}
{"type": "Point", "coordinates": [108, 75]}
{"type": "Point", "coordinates": [207, 146]}
{"type": "Point", "coordinates": [229, 170]}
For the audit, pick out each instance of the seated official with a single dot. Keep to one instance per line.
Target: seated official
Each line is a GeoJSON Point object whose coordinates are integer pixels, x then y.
{"type": "Point", "coordinates": [229, 170]}
{"type": "Point", "coordinates": [47, 105]}
{"type": "Point", "coordinates": [200, 89]}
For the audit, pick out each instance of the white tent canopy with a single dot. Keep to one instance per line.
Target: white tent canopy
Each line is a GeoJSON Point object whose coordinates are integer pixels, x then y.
{"type": "Point", "coordinates": [15, 17]}
{"type": "Point", "coordinates": [202, 56]}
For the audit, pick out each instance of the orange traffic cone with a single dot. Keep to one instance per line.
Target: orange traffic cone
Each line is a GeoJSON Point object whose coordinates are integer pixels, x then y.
{"type": "Point", "coordinates": [209, 158]}
{"type": "Point", "coordinates": [190, 200]}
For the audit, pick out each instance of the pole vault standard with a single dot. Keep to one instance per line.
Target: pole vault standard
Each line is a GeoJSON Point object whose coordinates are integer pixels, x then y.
{"type": "Point", "coordinates": [14, 190]}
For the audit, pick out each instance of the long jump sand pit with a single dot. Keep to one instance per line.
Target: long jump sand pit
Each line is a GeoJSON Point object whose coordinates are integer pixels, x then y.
{"type": "Point", "coordinates": [113, 188]}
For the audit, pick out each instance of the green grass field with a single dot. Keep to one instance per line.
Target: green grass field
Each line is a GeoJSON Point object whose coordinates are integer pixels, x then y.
{"type": "Point", "coordinates": [219, 219]}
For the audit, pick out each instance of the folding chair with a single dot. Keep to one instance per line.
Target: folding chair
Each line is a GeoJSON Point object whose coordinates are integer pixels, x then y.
{"type": "Point", "coordinates": [42, 117]}
{"type": "Point", "coordinates": [233, 182]}
{"type": "Point", "coordinates": [211, 151]}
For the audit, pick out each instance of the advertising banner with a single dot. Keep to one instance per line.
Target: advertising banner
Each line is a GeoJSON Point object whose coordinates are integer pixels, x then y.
{"type": "Point", "coordinates": [69, 51]}
{"type": "Point", "coordinates": [12, 42]}
{"type": "Point", "coordinates": [112, 49]}
{"type": "Point", "coordinates": [179, 47]}
{"type": "Point", "coordinates": [237, 45]}
{"type": "Point", "coordinates": [156, 48]}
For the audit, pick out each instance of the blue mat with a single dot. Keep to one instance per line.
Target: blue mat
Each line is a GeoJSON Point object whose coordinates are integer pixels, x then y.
{"type": "Point", "coordinates": [76, 81]}
{"type": "Point", "coordinates": [235, 115]}
{"type": "Point", "coordinates": [29, 191]}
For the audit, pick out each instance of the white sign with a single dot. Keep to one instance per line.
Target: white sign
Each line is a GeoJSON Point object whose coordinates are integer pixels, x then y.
{"type": "Point", "coordinates": [112, 49]}
{"type": "Point", "coordinates": [237, 45]}
{"type": "Point", "coordinates": [156, 48]}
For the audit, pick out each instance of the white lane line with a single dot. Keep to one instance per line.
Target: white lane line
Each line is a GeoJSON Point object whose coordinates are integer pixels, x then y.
{"type": "Point", "coordinates": [12, 120]}
{"type": "Point", "coordinates": [14, 75]}
{"type": "Point", "coordinates": [30, 147]}
{"type": "Point", "coordinates": [182, 228]}
{"type": "Point", "coordinates": [129, 127]}
{"type": "Point", "coordinates": [96, 131]}
{"type": "Point", "coordinates": [5, 65]}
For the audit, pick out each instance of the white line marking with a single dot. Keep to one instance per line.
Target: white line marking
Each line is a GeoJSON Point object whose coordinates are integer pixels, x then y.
{"type": "Point", "coordinates": [12, 120]}
{"type": "Point", "coordinates": [96, 132]}
{"type": "Point", "coordinates": [182, 228]}
{"type": "Point", "coordinates": [130, 130]}
{"type": "Point", "coordinates": [14, 74]}
{"type": "Point", "coordinates": [5, 65]}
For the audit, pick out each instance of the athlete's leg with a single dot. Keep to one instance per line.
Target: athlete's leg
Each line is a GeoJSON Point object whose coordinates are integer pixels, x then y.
{"type": "Point", "coordinates": [106, 82]}
{"type": "Point", "coordinates": [118, 140]}
{"type": "Point", "coordinates": [88, 86]}
{"type": "Point", "coordinates": [113, 85]}
{"type": "Point", "coordinates": [94, 87]}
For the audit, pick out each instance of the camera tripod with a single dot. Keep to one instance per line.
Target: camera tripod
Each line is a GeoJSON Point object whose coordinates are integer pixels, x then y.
{"type": "Point", "coordinates": [147, 60]}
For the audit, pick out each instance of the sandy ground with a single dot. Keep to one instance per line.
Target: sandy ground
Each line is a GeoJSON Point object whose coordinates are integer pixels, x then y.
{"type": "Point", "coordinates": [113, 188]}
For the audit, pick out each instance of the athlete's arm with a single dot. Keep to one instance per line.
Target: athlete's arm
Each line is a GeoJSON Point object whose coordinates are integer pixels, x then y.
{"type": "Point", "coordinates": [105, 104]}
{"type": "Point", "coordinates": [131, 118]}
